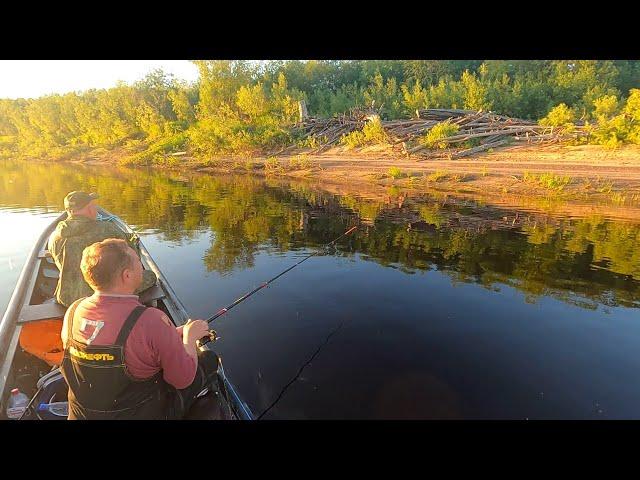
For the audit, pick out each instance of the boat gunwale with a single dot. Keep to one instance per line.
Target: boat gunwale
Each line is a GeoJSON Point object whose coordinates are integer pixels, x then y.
{"type": "Point", "coordinates": [19, 300]}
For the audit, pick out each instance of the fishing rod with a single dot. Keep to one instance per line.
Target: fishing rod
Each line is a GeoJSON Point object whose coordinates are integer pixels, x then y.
{"type": "Point", "coordinates": [224, 310]}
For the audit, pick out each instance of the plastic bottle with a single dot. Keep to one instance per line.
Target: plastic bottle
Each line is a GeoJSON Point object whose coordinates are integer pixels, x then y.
{"type": "Point", "coordinates": [59, 409]}
{"type": "Point", "coordinates": [17, 404]}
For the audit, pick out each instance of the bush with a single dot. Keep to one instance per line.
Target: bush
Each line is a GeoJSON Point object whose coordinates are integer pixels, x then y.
{"type": "Point", "coordinates": [631, 111]}
{"type": "Point", "coordinates": [612, 132]}
{"type": "Point", "coordinates": [353, 139]}
{"type": "Point", "coordinates": [559, 115]}
{"type": "Point", "coordinates": [605, 107]}
{"type": "Point", "coordinates": [372, 133]}
{"type": "Point", "coordinates": [439, 132]}
{"type": "Point", "coordinates": [395, 172]}
{"type": "Point", "coordinates": [300, 162]}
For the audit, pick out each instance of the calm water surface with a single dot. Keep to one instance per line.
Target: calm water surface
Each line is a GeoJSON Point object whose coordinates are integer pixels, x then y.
{"type": "Point", "coordinates": [432, 309]}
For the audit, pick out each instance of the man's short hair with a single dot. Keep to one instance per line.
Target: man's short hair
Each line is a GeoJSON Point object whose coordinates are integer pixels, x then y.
{"type": "Point", "coordinates": [103, 261]}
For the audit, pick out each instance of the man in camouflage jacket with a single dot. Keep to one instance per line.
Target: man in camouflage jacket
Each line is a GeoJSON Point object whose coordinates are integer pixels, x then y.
{"type": "Point", "coordinates": [73, 235]}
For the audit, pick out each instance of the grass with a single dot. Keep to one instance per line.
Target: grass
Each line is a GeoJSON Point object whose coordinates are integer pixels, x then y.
{"type": "Point", "coordinates": [549, 181]}
{"type": "Point", "coordinates": [272, 166]}
{"type": "Point", "coordinates": [605, 187]}
{"type": "Point", "coordinates": [300, 162]}
{"type": "Point", "coordinates": [457, 177]}
{"type": "Point", "coordinates": [437, 176]}
{"type": "Point", "coordinates": [413, 180]}
{"type": "Point", "coordinates": [618, 198]}
{"type": "Point", "coordinates": [395, 172]}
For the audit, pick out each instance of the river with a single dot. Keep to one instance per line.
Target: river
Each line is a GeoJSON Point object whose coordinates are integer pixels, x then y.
{"type": "Point", "coordinates": [433, 308]}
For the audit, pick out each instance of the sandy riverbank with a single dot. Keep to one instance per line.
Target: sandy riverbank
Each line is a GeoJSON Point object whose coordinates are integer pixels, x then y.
{"type": "Point", "coordinates": [574, 178]}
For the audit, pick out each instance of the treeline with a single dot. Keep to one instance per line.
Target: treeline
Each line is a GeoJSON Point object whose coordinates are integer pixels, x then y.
{"type": "Point", "coordinates": [244, 107]}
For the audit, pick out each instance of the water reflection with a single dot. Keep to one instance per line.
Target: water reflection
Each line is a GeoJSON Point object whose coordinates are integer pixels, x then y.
{"type": "Point", "coordinates": [584, 261]}
{"type": "Point", "coordinates": [446, 308]}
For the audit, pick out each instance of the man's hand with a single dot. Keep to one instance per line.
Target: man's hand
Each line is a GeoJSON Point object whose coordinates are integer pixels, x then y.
{"type": "Point", "coordinates": [194, 330]}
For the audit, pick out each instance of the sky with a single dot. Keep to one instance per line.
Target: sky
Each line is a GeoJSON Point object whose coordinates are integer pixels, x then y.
{"type": "Point", "coordinates": [35, 78]}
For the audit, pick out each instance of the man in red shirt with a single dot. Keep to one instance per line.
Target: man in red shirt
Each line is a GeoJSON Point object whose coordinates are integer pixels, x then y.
{"type": "Point", "coordinates": [123, 360]}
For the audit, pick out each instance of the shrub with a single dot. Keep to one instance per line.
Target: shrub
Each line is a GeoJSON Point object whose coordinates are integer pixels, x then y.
{"type": "Point", "coordinates": [353, 139]}
{"type": "Point", "coordinates": [300, 162]}
{"type": "Point", "coordinates": [632, 112]}
{"type": "Point", "coordinates": [372, 133]}
{"type": "Point", "coordinates": [439, 132]}
{"type": "Point", "coordinates": [395, 172]}
{"type": "Point", "coordinates": [559, 115]}
{"type": "Point", "coordinates": [606, 106]}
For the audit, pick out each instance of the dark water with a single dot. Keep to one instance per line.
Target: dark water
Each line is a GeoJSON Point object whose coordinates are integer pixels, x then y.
{"type": "Point", "coordinates": [434, 308]}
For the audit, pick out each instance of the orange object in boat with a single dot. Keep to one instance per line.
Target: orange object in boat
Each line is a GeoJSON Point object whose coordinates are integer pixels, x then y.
{"type": "Point", "coordinates": [42, 339]}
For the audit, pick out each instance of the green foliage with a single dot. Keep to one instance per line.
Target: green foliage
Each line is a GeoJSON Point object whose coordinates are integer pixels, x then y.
{"type": "Point", "coordinates": [395, 173]}
{"type": "Point", "coordinates": [241, 107]}
{"type": "Point", "coordinates": [475, 92]}
{"type": "Point", "coordinates": [611, 130]}
{"type": "Point", "coordinates": [632, 112]}
{"type": "Point", "coordinates": [372, 133]}
{"type": "Point", "coordinates": [438, 176]}
{"type": "Point", "coordinates": [158, 153]}
{"type": "Point", "coordinates": [549, 181]}
{"type": "Point", "coordinates": [353, 140]}
{"type": "Point", "coordinates": [272, 166]}
{"type": "Point", "coordinates": [385, 95]}
{"type": "Point", "coordinates": [447, 93]}
{"type": "Point", "coordinates": [7, 146]}
{"type": "Point", "coordinates": [606, 106]}
{"type": "Point", "coordinates": [414, 99]}
{"type": "Point", "coordinates": [300, 162]}
{"type": "Point", "coordinates": [559, 115]}
{"type": "Point", "coordinates": [440, 131]}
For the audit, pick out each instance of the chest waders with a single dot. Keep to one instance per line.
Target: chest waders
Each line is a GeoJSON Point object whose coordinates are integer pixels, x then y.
{"type": "Point", "coordinates": [101, 388]}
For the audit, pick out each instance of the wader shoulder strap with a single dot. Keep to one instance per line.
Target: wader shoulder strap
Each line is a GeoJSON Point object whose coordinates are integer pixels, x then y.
{"type": "Point", "coordinates": [72, 313]}
{"type": "Point", "coordinates": [128, 325]}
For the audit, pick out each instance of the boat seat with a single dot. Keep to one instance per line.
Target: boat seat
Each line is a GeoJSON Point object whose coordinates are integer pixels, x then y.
{"type": "Point", "coordinates": [45, 311]}
{"type": "Point", "coordinates": [151, 294]}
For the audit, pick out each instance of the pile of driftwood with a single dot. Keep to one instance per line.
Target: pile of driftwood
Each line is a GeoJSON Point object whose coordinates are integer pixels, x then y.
{"type": "Point", "coordinates": [477, 131]}
{"type": "Point", "coordinates": [327, 132]}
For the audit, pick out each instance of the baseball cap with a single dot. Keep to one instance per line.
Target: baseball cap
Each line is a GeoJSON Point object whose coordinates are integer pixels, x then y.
{"type": "Point", "coordinates": [76, 199]}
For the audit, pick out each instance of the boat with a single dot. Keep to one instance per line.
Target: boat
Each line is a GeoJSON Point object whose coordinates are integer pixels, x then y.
{"type": "Point", "coordinates": [31, 347]}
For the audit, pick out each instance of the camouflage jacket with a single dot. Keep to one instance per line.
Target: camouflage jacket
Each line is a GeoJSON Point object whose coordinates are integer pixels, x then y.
{"type": "Point", "coordinates": [66, 244]}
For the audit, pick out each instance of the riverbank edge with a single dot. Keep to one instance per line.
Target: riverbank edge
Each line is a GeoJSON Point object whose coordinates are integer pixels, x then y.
{"type": "Point", "coordinates": [574, 175]}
